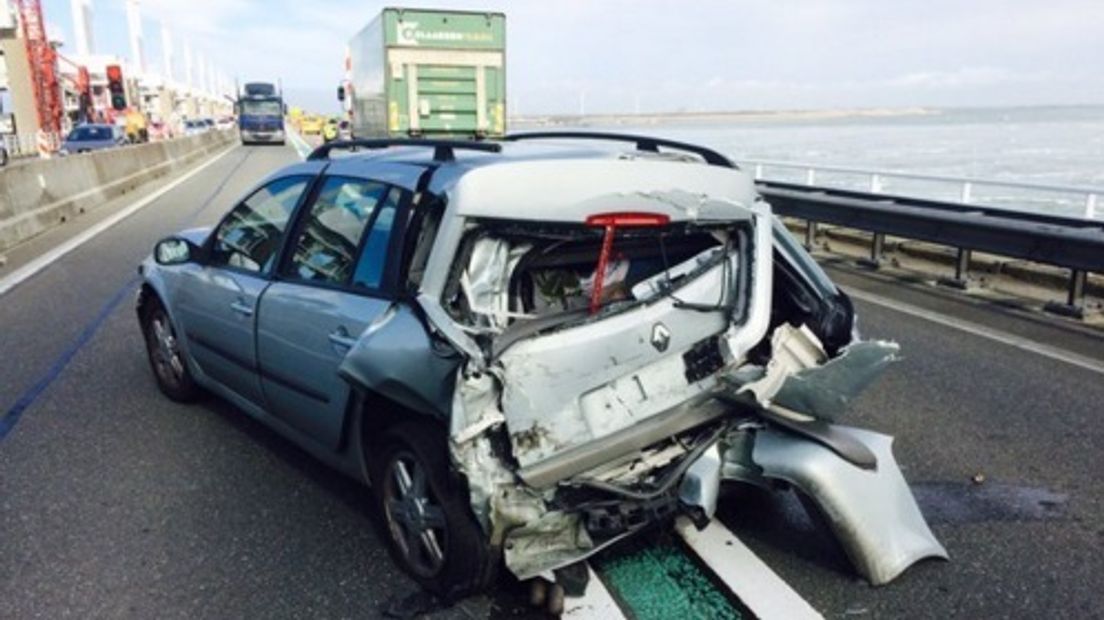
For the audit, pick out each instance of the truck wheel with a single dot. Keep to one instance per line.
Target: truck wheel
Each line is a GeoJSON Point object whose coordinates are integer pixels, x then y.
{"type": "Point", "coordinates": [170, 369]}
{"type": "Point", "coordinates": [431, 530]}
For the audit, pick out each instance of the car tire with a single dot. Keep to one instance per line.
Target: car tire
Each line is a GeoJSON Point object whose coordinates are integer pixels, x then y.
{"type": "Point", "coordinates": [431, 531]}
{"type": "Point", "coordinates": [166, 359]}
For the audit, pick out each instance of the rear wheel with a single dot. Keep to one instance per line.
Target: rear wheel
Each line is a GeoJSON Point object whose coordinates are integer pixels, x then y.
{"type": "Point", "coordinates": [170, 369]}
{"type": "Point", "coordinates": [432, 533]}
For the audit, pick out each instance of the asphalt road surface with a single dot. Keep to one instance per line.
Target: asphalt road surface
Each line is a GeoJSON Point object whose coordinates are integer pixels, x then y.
{"type": "Point", "coordinates": [115, 502]}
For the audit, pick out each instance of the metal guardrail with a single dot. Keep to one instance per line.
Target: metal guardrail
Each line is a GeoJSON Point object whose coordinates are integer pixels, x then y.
{"type": "Point", "coordinates": [968, 190]}
{"type": "Point", "coordinates": [26, 144]}
{"type": "Point", "coordinates": [1070, 242]}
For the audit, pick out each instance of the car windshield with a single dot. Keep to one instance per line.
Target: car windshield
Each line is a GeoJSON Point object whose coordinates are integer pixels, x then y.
{"type": "Point", "coordinates": [83, 134]}
{"type": "Point", "coordinates": [261, 108]}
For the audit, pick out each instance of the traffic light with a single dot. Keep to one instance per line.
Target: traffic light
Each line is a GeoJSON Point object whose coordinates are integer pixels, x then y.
{"type": "Point", "coordinates": [116, 88]}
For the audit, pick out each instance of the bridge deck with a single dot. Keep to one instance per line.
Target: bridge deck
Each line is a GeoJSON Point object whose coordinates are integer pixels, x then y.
{"type": "Point", "coordinates": [116, 502]}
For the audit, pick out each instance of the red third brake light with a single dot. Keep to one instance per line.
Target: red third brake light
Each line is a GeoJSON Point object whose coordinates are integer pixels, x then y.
{"type": "Point", "coordinates": [627, 220]}
{"type": "Point", "coordinates": [611, 222]}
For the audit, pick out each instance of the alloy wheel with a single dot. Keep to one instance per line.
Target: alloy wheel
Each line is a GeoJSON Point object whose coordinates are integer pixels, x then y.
{"type": "Point", "coordinates": [414, 517]}
{"type": "Point", "coordinates": [164, 350]}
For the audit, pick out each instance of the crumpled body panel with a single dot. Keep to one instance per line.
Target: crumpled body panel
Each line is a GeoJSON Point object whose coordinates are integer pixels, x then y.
{"type": "Point", "coordinates": [872, 512]}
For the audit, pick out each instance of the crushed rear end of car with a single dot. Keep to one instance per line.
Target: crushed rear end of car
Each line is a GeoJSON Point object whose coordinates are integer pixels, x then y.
{"type": "Point", "coordinates": [633, 333]}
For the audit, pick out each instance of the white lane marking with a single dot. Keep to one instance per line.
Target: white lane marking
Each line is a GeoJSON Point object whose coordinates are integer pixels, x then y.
{"type": "Point", "coordinates": [299, 143]}
{"type": "Point", "coordinates": [596, 603]}
{"type": "Point", "coordinates": [982, 331]}
{"type": "Point", "coordinates": [14, 278]}
{"type": "Point", "coordinates": [751, 580]}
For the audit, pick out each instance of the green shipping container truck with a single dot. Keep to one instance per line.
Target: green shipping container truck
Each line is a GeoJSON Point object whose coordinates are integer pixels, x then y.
{"type": "Point", "coordinates": [427, 73]}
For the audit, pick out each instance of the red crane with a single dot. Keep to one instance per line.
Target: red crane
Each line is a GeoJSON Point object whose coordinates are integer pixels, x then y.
{"type": "Point", "coordinates": [43, 63]}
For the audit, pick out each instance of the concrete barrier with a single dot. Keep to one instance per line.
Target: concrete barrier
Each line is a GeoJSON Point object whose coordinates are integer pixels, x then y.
{"type": "Point", "coordinates": [37, 196]}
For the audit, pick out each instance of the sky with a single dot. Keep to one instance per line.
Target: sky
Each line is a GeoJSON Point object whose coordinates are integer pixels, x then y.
{"type": "Point", "coordinates": [611, 56]}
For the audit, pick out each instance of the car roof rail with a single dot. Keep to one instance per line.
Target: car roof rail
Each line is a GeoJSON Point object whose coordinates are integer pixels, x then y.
{"type": "Point", "coordinates": [643, 143]}
{"type": "Point", "coordinates": [443, 150]}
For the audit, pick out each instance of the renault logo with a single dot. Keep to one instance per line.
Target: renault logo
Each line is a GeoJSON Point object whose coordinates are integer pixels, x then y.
{"type": "Point", "coordinates": [661, 337]}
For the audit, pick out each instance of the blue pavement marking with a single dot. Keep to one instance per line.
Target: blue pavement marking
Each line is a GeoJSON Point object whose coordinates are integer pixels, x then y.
{"type": "Point", "coordinates": [7, 423]}
{"type": "Point", "coordinates": [11, 417]}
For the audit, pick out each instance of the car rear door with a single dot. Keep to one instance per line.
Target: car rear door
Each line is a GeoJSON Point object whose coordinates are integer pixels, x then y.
{"type": "Point", "coordinates": [330, 290]}
{"type": "Point", "coordinates": [217, 300]}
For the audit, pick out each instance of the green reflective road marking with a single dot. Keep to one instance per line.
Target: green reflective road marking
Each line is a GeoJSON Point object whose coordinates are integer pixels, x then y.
{"type": "Point", "coordinates": [656, 580]}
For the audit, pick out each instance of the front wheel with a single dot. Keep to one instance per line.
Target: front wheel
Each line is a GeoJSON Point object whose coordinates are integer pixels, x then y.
{"type": "Point", "coordinates": [170, 369]}
{"type": "Point", "coordinates": [432, 533]}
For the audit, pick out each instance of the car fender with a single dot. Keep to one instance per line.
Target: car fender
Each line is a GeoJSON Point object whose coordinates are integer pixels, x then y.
{"type": "Point", "coordinates": [396, 358]}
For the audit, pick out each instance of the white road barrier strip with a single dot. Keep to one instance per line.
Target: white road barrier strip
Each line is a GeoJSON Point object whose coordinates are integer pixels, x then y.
{"type": "Point", "coordinates": [751, 581]}
{"type": "Point", "coordinates": [976, 329]}
{"type": "Point", "coordinates": [597, 603]}
{"type": "Point", "coordinates": [14, 278]}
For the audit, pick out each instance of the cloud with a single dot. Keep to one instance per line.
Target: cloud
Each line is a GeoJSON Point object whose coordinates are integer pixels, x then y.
{"type": "Point", "coordinates": [664, 55]}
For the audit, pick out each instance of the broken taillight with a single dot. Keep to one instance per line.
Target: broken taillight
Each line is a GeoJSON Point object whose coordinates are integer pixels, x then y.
{"type": "Point", "coordinates": [611, 222]}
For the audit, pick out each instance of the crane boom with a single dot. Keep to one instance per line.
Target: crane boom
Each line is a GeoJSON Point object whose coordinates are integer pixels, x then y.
{"type": "Point", "coordinates": [43, 64]}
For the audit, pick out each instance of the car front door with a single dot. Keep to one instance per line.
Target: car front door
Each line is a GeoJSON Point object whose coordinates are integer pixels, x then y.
{"type": "Point", "coordinates": [330, 290]}
{"type": "Point", "coordinates": [217, 300]}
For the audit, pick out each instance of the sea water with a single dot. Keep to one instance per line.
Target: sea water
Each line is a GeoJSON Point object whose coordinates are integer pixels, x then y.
{"type": "Point", "coordinates": [1044, 145]}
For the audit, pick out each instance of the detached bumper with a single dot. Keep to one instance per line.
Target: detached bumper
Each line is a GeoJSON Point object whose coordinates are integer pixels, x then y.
{"type": "Point", "coordinates": [871, 512]}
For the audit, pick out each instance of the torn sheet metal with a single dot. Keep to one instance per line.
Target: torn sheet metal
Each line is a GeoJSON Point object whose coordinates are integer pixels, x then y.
{"type": "Point", "coordinates": [800, 378]}
{"type": "Point", "coordinates": [792, 349]}
{"type": "Point", "coordinates": [555, 539]}
{"type": "Point", "coordinates": [826, 391]}
{"type": "Point", "coordinates": [474, 412]}
{"type": "Point", "coordinates": [701, 484]}
{"type": "Point", "coordinates": [486, 281]}
{"type": "Point", "coordinates": [872, 512]}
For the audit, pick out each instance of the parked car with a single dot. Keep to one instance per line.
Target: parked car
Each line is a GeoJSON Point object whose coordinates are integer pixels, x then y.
{"type": "Point", "coordinates": [93, 137]}
{"type": "Point", "coordinates": [194, 127]}
{"type": "Point", "coordinates": [534, 348]}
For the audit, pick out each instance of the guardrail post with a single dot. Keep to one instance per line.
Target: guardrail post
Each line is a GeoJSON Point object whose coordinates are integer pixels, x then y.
{"type": "Point", "coordinates": [1090, 207]}
{"type": "Point", "coordinates": [810, 225]}
{"type": "Point", "coordinates": [877, 241]}
{"type": "Point", "coordinates": [877, 246]}
{"type": "Point", "coordinates": [1075, 297]}
{"type": "Point", "coordinates": [758, 171]}
{"type": "Point", "coordinates": [961, 278]}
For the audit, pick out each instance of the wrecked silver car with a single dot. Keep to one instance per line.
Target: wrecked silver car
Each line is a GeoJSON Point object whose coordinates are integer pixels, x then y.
{"type": "Point", "coordinates": [534, 348]}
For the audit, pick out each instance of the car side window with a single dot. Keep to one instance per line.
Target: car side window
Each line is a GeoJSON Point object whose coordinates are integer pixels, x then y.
{"type": "Point", "coordinates": [329, 237]}
{"type": "Point", "coordinates": [249, 237]}
{"type": "Point", "coordinates": [373, 256]}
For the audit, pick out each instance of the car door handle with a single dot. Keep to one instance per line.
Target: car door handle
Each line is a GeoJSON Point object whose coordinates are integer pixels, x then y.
{"type": "Point", "coordinates": [340, 338]}
{"type": "Point", "coordinates": [242, 308]}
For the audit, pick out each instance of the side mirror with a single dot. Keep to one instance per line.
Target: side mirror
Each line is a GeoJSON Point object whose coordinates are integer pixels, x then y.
{"type": "Point", "coordinates": [341, 93]}
{"type": "Point", "coordinates": [175, 251]}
